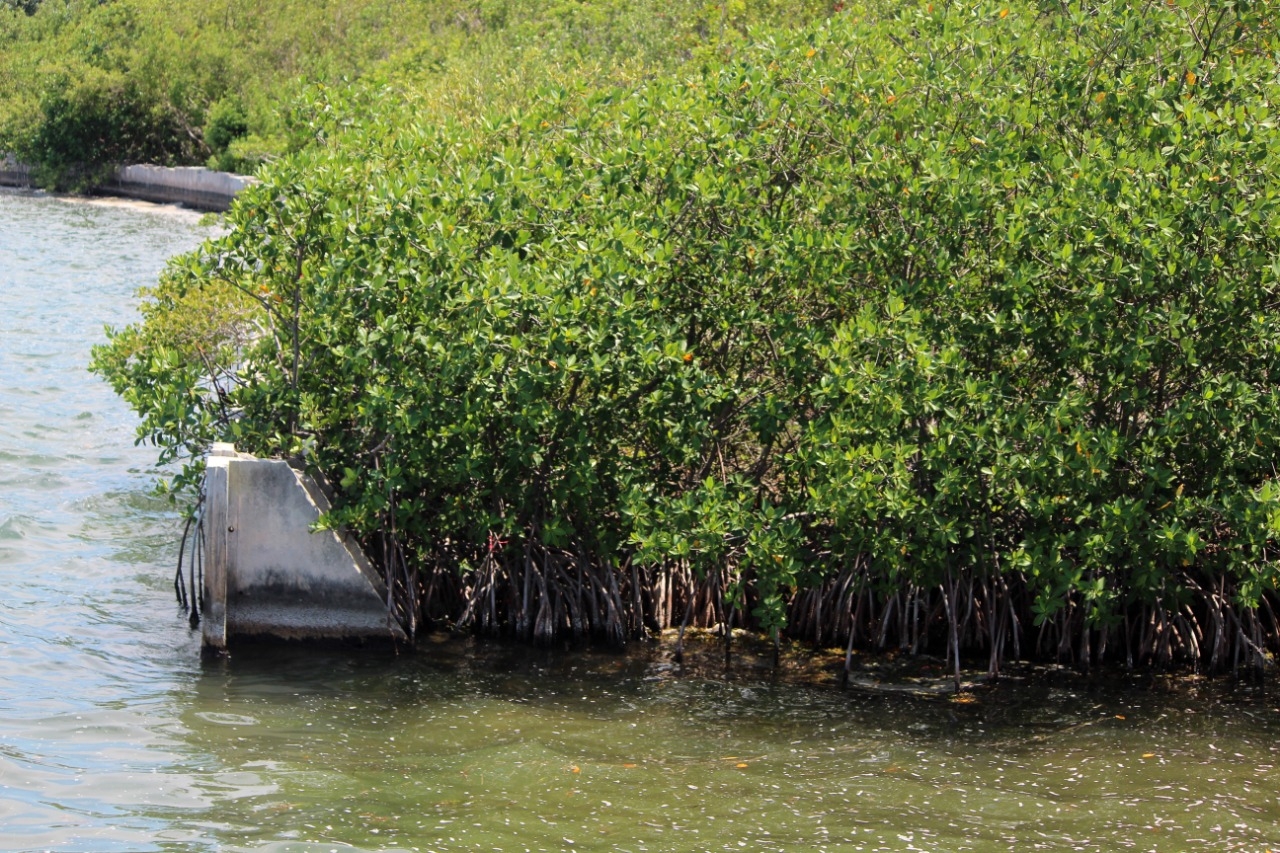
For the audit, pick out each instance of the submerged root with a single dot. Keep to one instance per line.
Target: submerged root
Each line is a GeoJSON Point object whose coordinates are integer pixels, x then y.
{"type": "Point", "coordinates": [543, 595]}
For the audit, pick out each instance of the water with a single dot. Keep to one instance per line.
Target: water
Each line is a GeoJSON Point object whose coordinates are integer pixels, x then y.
{"type": "Point", "coordinates": [114, 737]}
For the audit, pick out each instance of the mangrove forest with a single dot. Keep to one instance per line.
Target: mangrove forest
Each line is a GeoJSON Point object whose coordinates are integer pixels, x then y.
{"type": "Point", "coordinates": [942, 327]}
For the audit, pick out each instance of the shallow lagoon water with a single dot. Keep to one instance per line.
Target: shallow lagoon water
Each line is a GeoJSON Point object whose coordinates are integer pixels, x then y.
{"type": "Point", "coordinates": [114, 736]}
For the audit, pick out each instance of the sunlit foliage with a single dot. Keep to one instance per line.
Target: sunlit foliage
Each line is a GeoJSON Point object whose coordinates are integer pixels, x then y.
{"type": "Point", "coordinates": [931, 325]}
{"type": "Point", "coordinates": [85, 85]}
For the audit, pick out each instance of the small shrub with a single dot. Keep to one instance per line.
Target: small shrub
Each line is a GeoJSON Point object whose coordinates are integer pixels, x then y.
{"type": "Point", "coordinates": [225, 125]}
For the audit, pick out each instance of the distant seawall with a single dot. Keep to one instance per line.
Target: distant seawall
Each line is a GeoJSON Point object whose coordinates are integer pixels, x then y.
{"type": "Point", "coordinates": [14, 174]}
{"type": "Point", "coordinates": [190, 186]}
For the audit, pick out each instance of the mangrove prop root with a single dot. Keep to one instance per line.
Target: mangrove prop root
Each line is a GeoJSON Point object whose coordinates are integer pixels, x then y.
{"type": "Point", "coordinates": [535, 593]}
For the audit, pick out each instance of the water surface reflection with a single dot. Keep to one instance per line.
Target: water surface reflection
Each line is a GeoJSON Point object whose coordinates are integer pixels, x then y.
{"type": "Point", "coordinates": [114, 737]}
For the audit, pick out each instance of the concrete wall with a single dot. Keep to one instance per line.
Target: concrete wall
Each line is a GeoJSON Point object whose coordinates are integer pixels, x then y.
{"type": "Point", "coordinates": [268, 574]}
{"type": "Point", "coordinates": [190, 186]}
{"type": "Point", "coordinates": [14, 174]}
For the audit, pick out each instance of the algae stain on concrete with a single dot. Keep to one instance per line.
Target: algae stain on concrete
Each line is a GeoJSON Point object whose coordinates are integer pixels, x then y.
{"type": "Point", "coordinates": [269, 572]}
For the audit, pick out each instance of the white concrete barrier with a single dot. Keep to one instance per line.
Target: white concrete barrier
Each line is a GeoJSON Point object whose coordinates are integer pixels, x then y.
{"type": "Point", "coordinates": [268, 573]}
{"type": "Point", "coordinates": [191, 186]}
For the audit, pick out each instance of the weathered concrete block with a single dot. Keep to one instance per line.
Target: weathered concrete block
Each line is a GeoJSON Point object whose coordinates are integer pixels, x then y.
{"type": "Point", "coordinates": [214, 594]}
{"type": "Point", "coordinates": [268, 573]}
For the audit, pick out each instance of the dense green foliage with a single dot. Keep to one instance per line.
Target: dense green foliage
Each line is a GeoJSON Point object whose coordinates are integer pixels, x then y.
{"type": "Point", "coordinates": [85, 84]}
{"type": "Point", "coordinates": [942, 321]}
{"type": "Point", "coordinates": [27, 6]}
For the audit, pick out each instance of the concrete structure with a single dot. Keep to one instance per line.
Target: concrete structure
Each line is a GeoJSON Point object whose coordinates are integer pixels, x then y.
{"type": "Point", "coordinates": [190, 186]}
{"type": "Point", "coordinates": [267, 573]}
{"type": "Point", "coordinates": [14, 174]}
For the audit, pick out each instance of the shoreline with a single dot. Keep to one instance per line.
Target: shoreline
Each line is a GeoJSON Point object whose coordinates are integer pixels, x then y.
{"type": "Point", "coordinates": [889, 674]}
{"type": "Point", "coordinates": [194, 187]}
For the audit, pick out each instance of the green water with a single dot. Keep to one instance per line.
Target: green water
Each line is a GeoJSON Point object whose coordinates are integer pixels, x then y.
{"type": "Point", "coordinates": [502, 749]}
{"type": "Point", "coordinates": [114, 736]}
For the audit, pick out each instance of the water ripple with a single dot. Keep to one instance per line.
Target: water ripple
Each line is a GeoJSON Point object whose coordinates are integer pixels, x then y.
{"type": "Point", "coordinates": [91, 666]}
{"type": "Point", "coordinates": [115, 737]}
